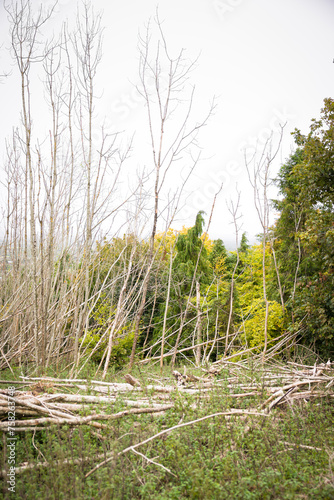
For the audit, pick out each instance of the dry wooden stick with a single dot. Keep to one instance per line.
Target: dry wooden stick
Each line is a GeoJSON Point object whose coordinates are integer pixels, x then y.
{"type": "Point", "coordinates": [90, 383]}
{"type": "Point", "coordinates": [53, 379]}
{"type": "Point", "coordinates": [301, 446]}
{"type": "Point", "coordinates": [132, 380]}
{"type": "Point", "coordinates": [17, 382]}
{"type": "Point", "coordinates": [153, 462]}
{"type": "Point", "coordinates": [39, 409]}
{"type": "Point", "coordinates": [66, 461]}
{"type": "Point", "coordinates": [78, 398]}
{"type": "Point", "coordinates": [280, 397]}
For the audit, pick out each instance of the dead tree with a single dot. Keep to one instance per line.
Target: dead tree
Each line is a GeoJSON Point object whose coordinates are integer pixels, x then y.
{"type": "Point", "coordinates": [258, 169]}
{"type": "Point", "coordinates": [25, 31]}
{"type": "Point", "coordinates": [168, 143]}
{"type": "Point", "coordinates": [233, 209]}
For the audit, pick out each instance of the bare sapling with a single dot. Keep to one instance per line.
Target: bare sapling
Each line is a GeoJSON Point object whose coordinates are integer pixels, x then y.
{"type": "Point", "coordinates": [258, 169]}
{"type": "Point", "coordinates": [171, 258]}
{"type": "Point", "coordinates": [234, 211]}
{"type": "Point", "coordinates": [25, 31]}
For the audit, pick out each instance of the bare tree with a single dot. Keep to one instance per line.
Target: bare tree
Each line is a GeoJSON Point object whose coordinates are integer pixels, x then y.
{"type": "Point", "coordinates": [48, 235]}
{"type": "Point", "coordinates": [258, 169]}
{"type": "Point", "coordinates": [25, 34]}
{"type": "Point", "coordinates": [233, 209]}
{"type": "Point", "coordinates": [168, 143]}
{"type": "Point", "coordinates": [171, 258]}
{"type": "Point", "coordinates": [87, 43]}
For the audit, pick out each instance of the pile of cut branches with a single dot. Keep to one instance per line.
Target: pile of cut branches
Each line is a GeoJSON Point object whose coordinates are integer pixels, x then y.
{"type": "Point", "coordinates": [286, 382]}
{"type": "Point", "coordinates": [41, 405]}
{"type": "Point", "coordinates": [35, 408]}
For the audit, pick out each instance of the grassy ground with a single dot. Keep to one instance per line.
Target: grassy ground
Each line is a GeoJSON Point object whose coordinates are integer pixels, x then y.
{"type": "Point", "coordinates": [252, 458]}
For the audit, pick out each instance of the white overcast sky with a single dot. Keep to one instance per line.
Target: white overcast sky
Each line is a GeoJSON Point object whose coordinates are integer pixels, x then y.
{"type": "Point", "coordinates": [267, 61]}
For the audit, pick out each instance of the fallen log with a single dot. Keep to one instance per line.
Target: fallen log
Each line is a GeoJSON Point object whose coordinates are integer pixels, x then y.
{"type": "Point", "coordinates": [47, 421]}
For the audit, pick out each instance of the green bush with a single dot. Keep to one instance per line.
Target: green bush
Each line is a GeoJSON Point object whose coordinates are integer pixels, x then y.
{"type": "Point", "coordinates": [120, 351]}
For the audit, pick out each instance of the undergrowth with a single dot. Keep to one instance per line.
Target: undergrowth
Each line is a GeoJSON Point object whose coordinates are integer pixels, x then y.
{"type": "Point", "coordinates": [237, 458]}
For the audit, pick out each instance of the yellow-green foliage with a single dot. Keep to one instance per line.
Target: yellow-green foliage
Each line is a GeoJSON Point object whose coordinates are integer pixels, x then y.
{"type": "Point", "coordinates": [220, 267]}
{"type": "Point", "coordinates": [102, 317]}
{"type": "Point", "coordinates": [216, 293]}
{"type": "Point", "coordinates": [250, 283]}
{"type": "Point", "coordinates": [251, 300]}
{"type": "Point", "coordinates": [166, 241]}
{"type": "Point", "coordinates": [254, 325]}
{"type": "Point", "coordinates": [120, 350]}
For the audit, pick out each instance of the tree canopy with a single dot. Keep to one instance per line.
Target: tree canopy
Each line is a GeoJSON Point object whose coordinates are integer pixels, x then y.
{"type": "Point", "coordinates": [305, 231]}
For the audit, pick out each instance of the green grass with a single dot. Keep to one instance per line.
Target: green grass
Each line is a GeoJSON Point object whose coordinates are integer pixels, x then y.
{"type": "Point", "coordinates": [212, 459]}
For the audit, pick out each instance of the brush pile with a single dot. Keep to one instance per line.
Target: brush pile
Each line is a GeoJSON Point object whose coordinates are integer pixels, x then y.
{"type": "Point", "coordinates": [51, 401]}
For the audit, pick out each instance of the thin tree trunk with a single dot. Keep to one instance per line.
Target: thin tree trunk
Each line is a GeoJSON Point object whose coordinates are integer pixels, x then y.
{"type": "Point", "coordinates": [166, 307]}
{"type": "Point", "coordinates": [198, 325]}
